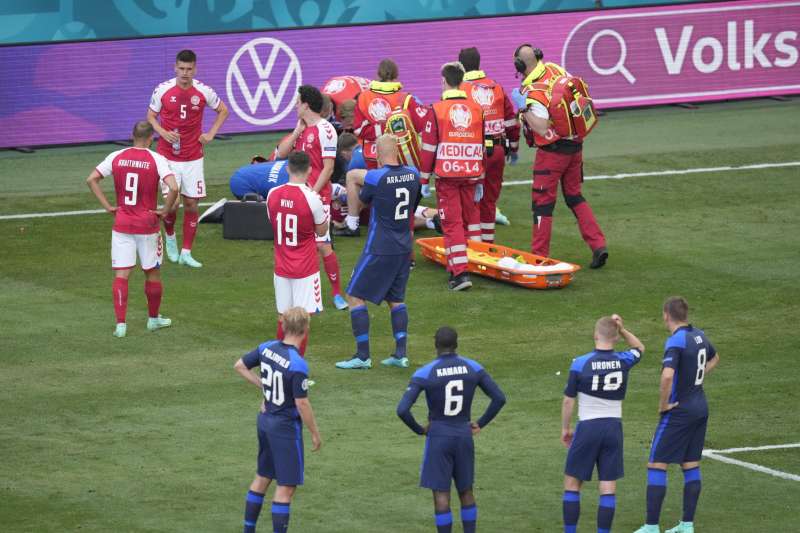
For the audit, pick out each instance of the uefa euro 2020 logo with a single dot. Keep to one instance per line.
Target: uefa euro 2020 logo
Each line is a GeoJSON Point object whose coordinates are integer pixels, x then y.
{"type": "Point", "coordinates": [379, 109]}
{"type": "Point", "coordinates": [460, 116]}
{"type": "Point", "coordinates": [334, 86]}
{"type": "Point", "coordinates": [483, 95]}
{"type": "Point", "coordinates": [255, 69]}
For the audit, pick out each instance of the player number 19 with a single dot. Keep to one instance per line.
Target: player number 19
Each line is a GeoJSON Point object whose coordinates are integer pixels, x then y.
{"type": "Point", "coordinates": [611, 381]}
{"type": "Point", "coordinates": [287, 229]}
{"type": "Point", "coordinates": [701, 366]}
{"type": "Point", "coordinates": [453, 403]}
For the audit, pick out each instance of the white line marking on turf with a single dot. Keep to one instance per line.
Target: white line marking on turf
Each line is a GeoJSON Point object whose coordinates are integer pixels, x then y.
{"type": "Point", "coordinates": [751, 466]}
{"type": "Point", "coordinates": [757, 166]}
{"type": "Point", "coordinates": [757, 448]}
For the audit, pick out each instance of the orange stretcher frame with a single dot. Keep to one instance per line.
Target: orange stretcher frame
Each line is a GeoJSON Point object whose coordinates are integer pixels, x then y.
{"type": "Point", "coordinates": [433, 249]}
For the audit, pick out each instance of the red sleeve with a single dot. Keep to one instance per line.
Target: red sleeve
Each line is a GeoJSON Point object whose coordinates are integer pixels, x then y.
{"type": "Point", "coordinates": [419, 114]}
{"type": "Point", "coordinates": [361, 123]}
{"type": "Point", "coordinates": [430, 139]}
{"type": "Point", "coordinates": [512, 130]}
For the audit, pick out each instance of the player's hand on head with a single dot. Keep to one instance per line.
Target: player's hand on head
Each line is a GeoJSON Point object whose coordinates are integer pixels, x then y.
{"type": "Point", "coordinates": [618, 319]}
{"type": "Point", "coordinates": [566, 437]}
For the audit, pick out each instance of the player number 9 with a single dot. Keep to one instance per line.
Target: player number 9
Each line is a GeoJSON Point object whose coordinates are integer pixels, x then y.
{"type": "Point", "coordinates": [131, 188]}
{"type": "Point", "coordinates": [453, 403]}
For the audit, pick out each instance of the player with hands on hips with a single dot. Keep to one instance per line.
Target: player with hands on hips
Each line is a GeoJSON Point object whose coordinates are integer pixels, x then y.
{"type": "Point", "coordinates": [598, 380]}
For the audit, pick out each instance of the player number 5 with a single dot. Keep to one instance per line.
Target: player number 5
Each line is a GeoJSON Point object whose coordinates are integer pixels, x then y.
{"type": "Point", "coordinates": [183, 111]}
{"type": "Point", "coordinates": [131, 188]}
{"type": "Point", "coordinates": [453, 403]}
{"type": "Point", "coordinates": [701, 366]}
{"type": "Point", "coordinates": [401, 210]}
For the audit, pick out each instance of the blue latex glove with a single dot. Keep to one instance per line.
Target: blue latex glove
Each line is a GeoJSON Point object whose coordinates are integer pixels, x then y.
{"type": "Point", "coordinates": [478, 192]}
{"type": "Point", "coordinates": [426, 190]}
{"type": "Point", "coordinates": [519, 99]}
{"type": "Point", "coordinates": [512, 158]}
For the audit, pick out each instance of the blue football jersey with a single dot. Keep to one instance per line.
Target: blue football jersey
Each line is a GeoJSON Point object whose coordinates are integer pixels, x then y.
{"type": "Point", "coordinates": [259, 178]}
{"type": "Point", "coordinates": [357, 160]}
{"type": "Point", "coordinates": [393, 192]}
{"type": "Point", "coordinates": [688, 350]}
{"type": "Point", "coordinates": [284, 377]}
{"type": "Point", "coordinates": [601, 373]}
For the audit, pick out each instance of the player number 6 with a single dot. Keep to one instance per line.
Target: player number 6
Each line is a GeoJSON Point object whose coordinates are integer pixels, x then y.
{"type": "Point", "coordinates": [453, 403]}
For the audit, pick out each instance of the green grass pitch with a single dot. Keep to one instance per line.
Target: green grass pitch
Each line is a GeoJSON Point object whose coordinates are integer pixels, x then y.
{"type": "Point", "coordinates": [156, 433]}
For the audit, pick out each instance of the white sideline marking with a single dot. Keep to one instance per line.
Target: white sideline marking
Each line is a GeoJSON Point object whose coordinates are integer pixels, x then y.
{"type": "Point", "coordinates": [756, 166]}
{"type": "Point", "coordinates": [717, 454]}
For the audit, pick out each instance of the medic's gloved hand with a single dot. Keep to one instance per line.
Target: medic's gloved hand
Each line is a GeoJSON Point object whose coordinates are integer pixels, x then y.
{"type": "Point", "coordinates": [512, 157]}
{"type": "Point", "coordinates": [426, 190]}
{"type": "Point", "coordinates": [518, 98]}
{"type": "Point", "coordinates": [478, 192]}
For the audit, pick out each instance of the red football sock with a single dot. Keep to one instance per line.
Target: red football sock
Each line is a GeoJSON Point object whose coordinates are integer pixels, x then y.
{"type": "Point", "coordinates": [279, 334]}
{"type": "Point", "coordinates": [169, 223]}
{"type": "Point", "coordinates": [331, 264]}
{"type": "Point", "coordinates": [189, 228]}
{"type": "Point", "coordinates": [120, 290]}
{"type": "Point", "coordinates": [153, 291]}
{"type": "Point", "coordinates": [303, 346]}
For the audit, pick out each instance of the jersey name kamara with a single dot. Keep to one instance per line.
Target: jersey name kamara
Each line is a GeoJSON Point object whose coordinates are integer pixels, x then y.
{"type": "Point", "coordinates": [451, 371]}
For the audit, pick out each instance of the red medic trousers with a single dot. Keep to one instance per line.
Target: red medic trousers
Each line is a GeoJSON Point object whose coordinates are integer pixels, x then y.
{"type": "Point", "coordinates": [460, 216]}
{"type": "Point", "coordinates": [492, 183]}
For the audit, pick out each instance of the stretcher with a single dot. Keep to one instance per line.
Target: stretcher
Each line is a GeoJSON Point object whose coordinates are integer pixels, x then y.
{"type": "Point", "coordinates": [506, 264]}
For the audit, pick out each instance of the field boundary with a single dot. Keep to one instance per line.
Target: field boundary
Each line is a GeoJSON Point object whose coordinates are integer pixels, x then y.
{"type": "Point", "coordinates": [720, 455]}
{"type": "Point", "coordinates": [677, 172]}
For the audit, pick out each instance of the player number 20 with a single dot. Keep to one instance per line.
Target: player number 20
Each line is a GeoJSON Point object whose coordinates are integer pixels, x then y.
{"type": "Point", "coordinates": [273, 384]}
{"type": "Point", "coordinates": [453, 403]}
{"type": "Point", "coordinates": [287, 229]}
{"type": "Point", "coordinates": [131, 188]}
{"type": "Point", "coordinates": [611, 382]}
{"type": "Point", "coordinates": [702, 357]}
{"type": "Point", "coordinates": [401, 210]}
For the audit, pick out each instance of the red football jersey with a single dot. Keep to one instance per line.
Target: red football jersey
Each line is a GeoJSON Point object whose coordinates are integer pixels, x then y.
{"type": "Point", "coordinates": [294, 210]}
{"type": "Point", "coordinates": [138, 173]}
{"type": "Point", "coordinates": [181, 110]}
{"type": "Point", "coordinates": [319, 142]}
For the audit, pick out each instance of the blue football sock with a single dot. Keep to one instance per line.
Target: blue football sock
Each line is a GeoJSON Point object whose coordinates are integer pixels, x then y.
{"type": "Point", "coordinates": [252, 508]}
{"type": "Point", "coordinates": [469, 518]}
{"type": "Point", "coordinates": [444, 522]}
{"type": "Point", "coordinates": [359, 319]}
{"type": "Point", "coordinates": [656, 490]}
{"type": "Point", "coordinates": [571, 510]}
{"type": "Point", "coordinates": [280, 517]}
{"type": "Point", "coordinates": [400, 329]}
{"type": "Point", "coordinates": [691, 492]}
{"type": "Point", "coordinates": [605, 512]}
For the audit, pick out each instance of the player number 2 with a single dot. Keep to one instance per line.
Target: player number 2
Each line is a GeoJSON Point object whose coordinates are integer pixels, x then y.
{"type": "Point", "coordinates": [287, 229]}
{"type": "Point", "coordinates": [453, 403]}
{"type": "Point", "coordinates": [131, 188]}
{"type": "Point", "coordinates": [611, 382]}
{"type": "Point", "coordinates": [702, 356]}
{"type": "Point", "coordinates": [272, 382]}
{"type": "Point", "coordinates": [401, 210]}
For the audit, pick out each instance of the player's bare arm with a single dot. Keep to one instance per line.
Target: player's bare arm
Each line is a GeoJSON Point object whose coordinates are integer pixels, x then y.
{"type": "Point", "coordinates": [287, 143]}
{"type": "Point", "coordinates": [307, 416]}
{"type": "Point", "coordinates": [246, 373]}
{"type": "Point", "coordinates": [354, 181]}
{"type": "Point", "coordinates": [630, 339]}
{"type": "Point", "coordinates": [222, 115]}
{"type": "Point", "coordinates": [325, 175]}
{"type": "Point", "coordinates": [667, 377]}
{"type": "Point", "coordinates": [171, 201]}
{"type": "Point", "coordinates": [567, 407]}
{"type": "Point", "coordinates": [169, 136]}
{"type": "Point", "coordinates": [537, 124]}
{"type": "Point", "coordinates": [94, 185]}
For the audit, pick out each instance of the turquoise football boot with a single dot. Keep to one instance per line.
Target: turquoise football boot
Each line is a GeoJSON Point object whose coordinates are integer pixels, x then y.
{"type": "Point", "coordinates": [355, 364]}
{"type": "Point", "coordinates": [187, 259]}
{"type": "Point", "coordinates": [682, 527]}
{"type": "Point", "coordinates": [172, 247]}
{"type": "Point", "coordinates": [400, 362]}
{"type": "Point", "coordinates": [121, 331]}
{"type": "Point", "coordinates": [159, 322]}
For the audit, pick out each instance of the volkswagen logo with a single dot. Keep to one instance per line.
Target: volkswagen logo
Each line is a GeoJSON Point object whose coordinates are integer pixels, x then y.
{"type": "Point", "coordinates": [263, 67]}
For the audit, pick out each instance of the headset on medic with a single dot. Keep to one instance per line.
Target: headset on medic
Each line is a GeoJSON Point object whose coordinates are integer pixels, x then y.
{"type": "Point", "coordinates": [519, 64]}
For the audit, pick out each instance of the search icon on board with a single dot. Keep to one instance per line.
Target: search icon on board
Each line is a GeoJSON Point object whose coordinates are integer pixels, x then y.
{"type": "Point", "coordinates": [619, 66]}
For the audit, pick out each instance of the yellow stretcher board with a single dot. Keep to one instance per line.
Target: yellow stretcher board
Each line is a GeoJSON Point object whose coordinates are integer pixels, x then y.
{"type": "Point", "coordinates": [506, 264]}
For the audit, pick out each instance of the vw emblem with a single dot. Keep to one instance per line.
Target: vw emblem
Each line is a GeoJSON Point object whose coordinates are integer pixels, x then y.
{"type": "Point", "coordinates": [252, 67]}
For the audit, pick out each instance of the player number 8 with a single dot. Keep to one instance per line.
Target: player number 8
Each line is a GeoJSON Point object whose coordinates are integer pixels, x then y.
{"type": "Point", "coordinates": [453, 403]}
{"type": "Point", "coordinates": [701, 366]}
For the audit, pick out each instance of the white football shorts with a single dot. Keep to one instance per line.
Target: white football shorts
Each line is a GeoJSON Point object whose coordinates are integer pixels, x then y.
{"type": "Point", "coordinates": [190, 178]}
{"type": "Point", "coordinates": [125, 246]}
{"type": "Point", "coordinates": [303, 292]}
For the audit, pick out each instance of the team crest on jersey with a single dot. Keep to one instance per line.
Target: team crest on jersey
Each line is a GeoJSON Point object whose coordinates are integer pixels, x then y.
{"type": "Point", "coordinates": [334, 86]}
{"type": "Point", "coordinates": [195, 100]}
{"type": "Point", "coordinates": [483, 95]}
{"type": "Point", "coordinates": [379, 109]}
{"type": "Point", "coordinates": [460, 116]}
{"type": "Point", "coordinates": [310, 138]}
